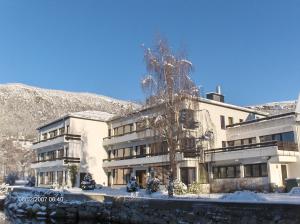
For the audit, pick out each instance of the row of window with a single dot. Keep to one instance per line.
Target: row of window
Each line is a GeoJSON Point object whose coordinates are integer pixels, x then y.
{"type": "Point", "coordinates": [55, 154]}
{"type": "Point", "coordinates": [54, 133]}
{"type": "Point", "coordinates": [140, 150]}
{"type": "Point", "coordinates": [230, 121]}
{"type": "Point", "coordinates": [250, 170]}
{"type": "Point", "coordinates": [284, 137]}
{"type": "Point", "coordinates": [48, 178]}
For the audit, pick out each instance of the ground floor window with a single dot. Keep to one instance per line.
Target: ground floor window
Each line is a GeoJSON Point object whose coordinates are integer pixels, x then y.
{"type": "Point", "coordinates": [188, 175]}
{"type": "Point", "coordinates": [220, 172]}
{"type": "Point", "coordinates": [256, 170]}
{"type": "Point", "coordinates": [162, 173]}
{"type": "Point", "coordinates": [121, 176]}
{"type": "Point", "coordinates": [60, 177]}
{"type": "Point", "coordinates": [42, 178]}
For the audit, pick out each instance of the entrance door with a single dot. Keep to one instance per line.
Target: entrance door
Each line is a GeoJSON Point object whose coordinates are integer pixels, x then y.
{"type": "Point", "coordinates": [141, 178]}
{"type": "Point", "coordinates": [283, 173]}
{"type": "Point", "coordinates": [188, 175]}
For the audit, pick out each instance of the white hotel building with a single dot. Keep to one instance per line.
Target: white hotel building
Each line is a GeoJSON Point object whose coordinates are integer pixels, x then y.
{"type": "Point", "coordinates": [230, 148]}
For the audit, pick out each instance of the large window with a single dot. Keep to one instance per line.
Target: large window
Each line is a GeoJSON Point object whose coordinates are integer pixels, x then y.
{"type": "Point", "coordinates": [284, 137]}
{"type": "Point", "coordinates": [121, 176]}
{"type": "Point", "coordinates": [220, 172]}
{"type": "Point", "coordinates": [188, 144]}
{"type": "Point", "coordinates": [230, 120]}
{"type": "Point", "coordinates": [188, 175]}
{"type": "Point", "coordinates": [140, 150]}
{"type": "Point", "coordinates": [222, 120]}
{"type": "Point", "coordinates": [256, 170]}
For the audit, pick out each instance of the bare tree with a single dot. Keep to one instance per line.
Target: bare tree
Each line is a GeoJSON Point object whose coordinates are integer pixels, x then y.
{"type": "Point", "coordinates": [167, 84]}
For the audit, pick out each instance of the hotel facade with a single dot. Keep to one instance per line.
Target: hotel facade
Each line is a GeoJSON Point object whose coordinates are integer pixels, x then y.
{"type": "Point", "coordinates": [228, 148]}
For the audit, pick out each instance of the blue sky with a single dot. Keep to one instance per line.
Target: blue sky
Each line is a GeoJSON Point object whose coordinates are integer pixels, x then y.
{"type": "Point", "coordinates": [251, 48]}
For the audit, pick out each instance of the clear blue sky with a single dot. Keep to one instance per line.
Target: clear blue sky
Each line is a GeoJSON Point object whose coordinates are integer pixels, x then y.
{"type": "Point", "coordinates": [251, 48]}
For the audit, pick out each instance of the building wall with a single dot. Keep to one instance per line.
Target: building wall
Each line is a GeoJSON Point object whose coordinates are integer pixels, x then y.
{"type": "Point", "coordinates": [92, 151]}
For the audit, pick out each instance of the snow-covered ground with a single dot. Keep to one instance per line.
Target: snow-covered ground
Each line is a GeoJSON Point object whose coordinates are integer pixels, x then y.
{"type": "Point", "coordinates": [239, 196]}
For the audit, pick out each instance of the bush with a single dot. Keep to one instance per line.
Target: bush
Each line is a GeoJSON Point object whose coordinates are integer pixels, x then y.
{"type": "Point", "coordinates": [176, 187]}
{"type": "Point", "coordinates": [11, 178]}
{"type": "Point", "coordinates": [195, 188]}
{"type": "Point", "coordinates": [153, 185]}
{"type": "Point", "coordinates": [132, 185]}
{"type": "Point", "coordinates": [88, 183]}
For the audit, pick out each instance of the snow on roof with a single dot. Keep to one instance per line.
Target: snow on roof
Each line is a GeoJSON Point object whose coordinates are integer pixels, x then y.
{"type": "Point", "coordinates": [92, 114]}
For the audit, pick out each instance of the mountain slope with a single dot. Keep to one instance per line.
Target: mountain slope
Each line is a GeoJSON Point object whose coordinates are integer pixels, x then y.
{"type": "Point", "coordinates": [23, 108]}
{"type": "Point", "coordinates": [274, 108]}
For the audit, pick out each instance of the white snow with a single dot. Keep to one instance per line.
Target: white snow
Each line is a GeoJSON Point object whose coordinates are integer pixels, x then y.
{"type": "Point", "coordinates": [238, 196]}
{"type": "Point", "coordinates": [243, 196]}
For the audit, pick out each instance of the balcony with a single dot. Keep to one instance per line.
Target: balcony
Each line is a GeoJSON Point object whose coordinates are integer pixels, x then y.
{"type": "Point", "coordinates": [128, 137]}
{"type": "Point", "coordinates": [140, 160]}
{"type": "Point", "coordinates": [59, 139]}
{"type": "Point", "coordinates": [61, 161]}
{"type": "Point", "coordinates": [278, 151]}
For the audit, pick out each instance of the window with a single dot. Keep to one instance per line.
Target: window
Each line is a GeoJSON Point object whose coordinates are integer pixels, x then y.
{"type": "Point", "coordinates": [68, 129]}
{"type": "Point", "coordinates": [256, 170]}
{"type": "Point", "coordinates": [62, 131]}
{"type": "Point", "coordinates": [141, 125]}
{"type": "Point", "coordinates": [188, 144]}
{"type": "Point", "coordinates": [230, 120]}
{"type": "Point", "coordinates": [44, 136]}
{"type": "Point", "coordinates": [223, 144]}
{"type": "Point", "coordinates": [140, 150]}
{"type": "Point", "coordinates": [285, 137]}
{"type": "Point", "coordinates": [186, 118]}
{"type": "Point", "coordinates": [221, 172]}
{"type": "Point", "coordinates": [121, 176]}
{"type": "Point", "coordinates": [60, 153]}
{"type": "Point", "coordinates": [128, 128]}
{"type": "Point", "coordinates": [60, 177]}
{"type": "Point", "coordinates": [230, 143]}
{"type": "Point", "coordinates": [109, 132]}
{"type": "Point", "coordinates": [222, 119]}
{"type": "Point", "coordinates": [127, 152]}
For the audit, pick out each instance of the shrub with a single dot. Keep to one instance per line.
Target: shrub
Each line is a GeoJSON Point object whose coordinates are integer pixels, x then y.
{"type": "Point", "coordinates": [179, 187]}
{"type": "Point", "coordinates": [153, 185]}
{"type": "Point", "coordinates": [132, 185]}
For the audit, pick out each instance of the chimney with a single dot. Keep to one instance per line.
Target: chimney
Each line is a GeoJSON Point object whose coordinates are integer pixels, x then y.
{"type": "Point", "coordinates": [216, 96]}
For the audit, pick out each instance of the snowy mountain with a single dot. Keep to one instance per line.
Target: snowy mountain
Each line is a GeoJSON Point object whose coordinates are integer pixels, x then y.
{"type": "Point", "coordinates": [274, 108]}
{"type": "Point", "coordinates": [23, 108]}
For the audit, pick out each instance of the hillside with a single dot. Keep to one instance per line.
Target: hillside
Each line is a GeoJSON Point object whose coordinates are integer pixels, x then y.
{"type": "Point", "coordinates": [23, 108]}
{"type": "Point", "coordinates": [274, 108]}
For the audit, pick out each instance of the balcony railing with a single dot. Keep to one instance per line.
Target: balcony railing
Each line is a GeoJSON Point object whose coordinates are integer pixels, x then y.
{"type": "Point", "coordinates": [136, 156]}
{"type": "Point", "coordinates": [286, 146]}
{"type": "Point", "coordinates": [127, 133]}
{"type": "Point", "coordinates": [67, 137]}
{"type": "Point", "coordinates": [65, 159]}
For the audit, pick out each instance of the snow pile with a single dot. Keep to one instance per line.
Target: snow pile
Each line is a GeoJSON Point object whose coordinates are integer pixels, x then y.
{"type": "Point", "coordinates": [243, 196]}
{"type": "Point", "coordinates": [295, 191]}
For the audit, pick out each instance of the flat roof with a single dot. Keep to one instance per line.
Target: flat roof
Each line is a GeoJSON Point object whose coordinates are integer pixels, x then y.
{"type": "Point", "coordinates": [203, 100]}
{"type": "Point", "coordinates": [262, 119]}
{"type": "Point", "coordinates": [87, 115]}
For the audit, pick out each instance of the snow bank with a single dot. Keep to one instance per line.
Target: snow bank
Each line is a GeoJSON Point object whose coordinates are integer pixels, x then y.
{"type": "Point", "coordinates": [243, 196]}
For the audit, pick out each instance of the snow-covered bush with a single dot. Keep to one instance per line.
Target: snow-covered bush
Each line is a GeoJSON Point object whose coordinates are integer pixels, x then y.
{"type": "Point", "coordinates": [11, 178]}
{"type": "Point", "coordinates": [177, 187]}
{"type": "Point", "coordinates": [88, 183]}
{"type": "Point", "coordinates": [195, 188]}
{"type": "Point", "coordinates": [132, 185]}
{"type": "Point", "coordinates": [153, 185]}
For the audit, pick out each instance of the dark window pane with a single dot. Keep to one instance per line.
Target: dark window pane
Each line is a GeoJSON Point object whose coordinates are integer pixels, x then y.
{"type": "Point", "coordinates": [288, 137]}
{"type": "Point", "coordinates": [247, 170]}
